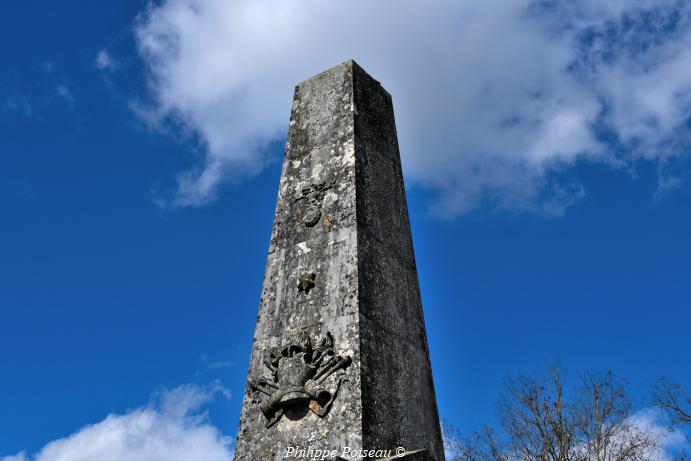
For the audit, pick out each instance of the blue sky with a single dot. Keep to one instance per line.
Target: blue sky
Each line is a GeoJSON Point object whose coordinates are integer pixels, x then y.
{"type": "Point", "coordinates": [545, 148]}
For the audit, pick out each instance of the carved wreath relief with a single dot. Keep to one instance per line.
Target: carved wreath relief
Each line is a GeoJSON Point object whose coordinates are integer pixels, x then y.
{"type": "Point", "coordinates": [313, 196]}
{"type": "Point", "coordinates": [297, 378]}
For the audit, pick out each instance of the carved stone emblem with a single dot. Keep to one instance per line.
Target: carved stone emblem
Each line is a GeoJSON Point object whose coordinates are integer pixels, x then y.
{"type": "Point", "coordinates": [306, 282]}
{"type": "Point", "coordinates": [297, 381]}
{"type": "Point", "coordinates": [313, 196]}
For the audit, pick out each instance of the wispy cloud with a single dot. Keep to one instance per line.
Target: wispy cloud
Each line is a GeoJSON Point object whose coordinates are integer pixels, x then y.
{"type": "Point", "coordinates": [37, 92]}
{"type": "Point", "coordinates": [63, 92]}
{"type": "Point", "coordinates": [18, 103]}
{"type": "Point", "coordinates": [214, 365]}
{"type": "Point", "coordinates": [17, 457]}
{"type": "Point", "coordinates": [493, 99]}
{"type": "Point", "coordinates": [104, 61]}
{"type": "Point", "coordinates": [172, 426]}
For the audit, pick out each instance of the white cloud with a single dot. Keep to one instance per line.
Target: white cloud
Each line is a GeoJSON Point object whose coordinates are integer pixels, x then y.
{"type": "Point", "coordinates": [171, 427]}
{"type": "Point", "coordinates": [650, 425]}
{"type": "Point", "coordinates": [105, 61]}
{"type": "Point", "coordinates": [669, 442]}
{"type": "Point", "coordinates": [491, 97]}
{"type": "Point", "coordinates": [17, 457]}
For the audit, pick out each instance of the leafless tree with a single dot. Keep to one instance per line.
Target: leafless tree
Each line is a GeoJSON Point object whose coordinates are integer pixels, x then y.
{"type": "Point", "coordinates": [602, 411]}
{"type": "Point", "coordinates": [482, 445]}
{"type": "Point", "coordinates": [478, 446]}
{"type": "Point", "coordinates": [673, 401]}
{"type": "Point", "coordinates": [540, 420]}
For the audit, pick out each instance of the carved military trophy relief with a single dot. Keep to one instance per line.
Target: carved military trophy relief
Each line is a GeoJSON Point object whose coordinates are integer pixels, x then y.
{"type": "Point", "coordinates": [297, 380]}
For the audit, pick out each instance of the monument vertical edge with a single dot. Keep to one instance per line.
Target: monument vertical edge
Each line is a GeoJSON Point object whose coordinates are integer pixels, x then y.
{"type": "Point", "coordinates": [397, 362]}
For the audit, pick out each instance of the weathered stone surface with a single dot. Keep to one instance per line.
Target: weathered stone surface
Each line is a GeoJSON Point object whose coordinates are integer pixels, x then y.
{"type": "Point", "coordinates": [340, 262]}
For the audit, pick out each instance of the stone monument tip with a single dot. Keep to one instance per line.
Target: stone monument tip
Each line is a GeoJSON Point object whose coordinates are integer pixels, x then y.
{"type": "Point", "coordinates": [348, 65]}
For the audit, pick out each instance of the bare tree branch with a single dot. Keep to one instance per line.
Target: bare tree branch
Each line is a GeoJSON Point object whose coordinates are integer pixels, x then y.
{"type": "Point", "coordinates": [673, 400]}
{"type": "Point", "coordinates": [541, 420]}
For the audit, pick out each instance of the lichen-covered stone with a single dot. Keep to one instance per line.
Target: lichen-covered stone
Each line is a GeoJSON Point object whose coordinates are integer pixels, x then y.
{"type": "Point", "coordinates": [341, 262]}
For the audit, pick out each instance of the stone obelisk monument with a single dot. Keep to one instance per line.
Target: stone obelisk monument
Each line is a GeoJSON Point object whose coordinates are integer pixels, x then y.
{"type": "Point", "coordinates": [340, 361]}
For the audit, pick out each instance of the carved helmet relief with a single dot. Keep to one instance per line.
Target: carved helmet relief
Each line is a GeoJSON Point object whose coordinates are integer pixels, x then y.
{"type": "Point", "coordinates": [298, 377]}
